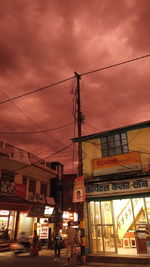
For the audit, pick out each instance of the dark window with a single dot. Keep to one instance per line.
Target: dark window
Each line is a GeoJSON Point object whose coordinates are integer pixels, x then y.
{"type": "Point", "coordinates": [32, 185]}
{"type": "Point", "coordinates": [7, 176]}
{"type": "Point", "coordinates": [44, 189]}
{"type": "Point", "coordinates": [24, 180]}
{"type": "Point", "coordinates": [114, 144]}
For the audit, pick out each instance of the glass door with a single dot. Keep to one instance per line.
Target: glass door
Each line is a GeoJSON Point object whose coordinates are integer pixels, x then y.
{"type": "Point", "coordinates": [102, 229]}
{"type": "Point", "coordinates": [108, 226]}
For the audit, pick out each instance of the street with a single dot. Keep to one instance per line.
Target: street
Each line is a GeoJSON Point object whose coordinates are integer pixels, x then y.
{"type": "Point", "coordinates": [46, 259]}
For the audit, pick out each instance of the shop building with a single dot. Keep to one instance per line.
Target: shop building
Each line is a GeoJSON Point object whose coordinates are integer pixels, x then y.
{"type": "Point", "coordinates": [116, 167]}
{"type": "Point", "coordinates": [25, 200]}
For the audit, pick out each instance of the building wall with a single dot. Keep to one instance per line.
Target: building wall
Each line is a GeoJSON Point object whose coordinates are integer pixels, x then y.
{"type": "Point", "coordinates": [138, 140]}
{"type": "Point", "coordinates": [42, 177]}
{"type": "Point", "coordinates": [91, 150]}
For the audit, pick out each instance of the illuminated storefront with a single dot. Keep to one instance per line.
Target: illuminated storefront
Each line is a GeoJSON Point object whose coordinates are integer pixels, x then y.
{"type": "Point", "coordinates": [118, 216]}
{"type": "Point", "coordinates": [7, 224]}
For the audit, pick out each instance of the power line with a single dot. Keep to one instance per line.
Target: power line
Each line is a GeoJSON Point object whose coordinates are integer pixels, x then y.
{"type": "Point", "coordinates": [32, 120]}
{"type": "Point", "coordinates": [42, 131]}
{"type": "Point", "coordinates": [90, 126]}
{"type": "Point", "coordinates": [36, 90]}
{"type": "Point", "coordinates": [70, 78]}
{"type": "Point", "coordinates": [114, 65]}
{"type": "Point", "coordinates": [140, 151]}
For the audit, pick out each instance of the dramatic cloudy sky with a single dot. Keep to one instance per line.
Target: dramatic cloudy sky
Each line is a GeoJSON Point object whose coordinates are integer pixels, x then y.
{"type": "Point", "coordinates": [42, 42]}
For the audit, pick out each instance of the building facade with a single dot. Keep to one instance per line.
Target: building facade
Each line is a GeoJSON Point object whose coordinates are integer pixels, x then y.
{"type": "Point", "coordinates": [116, 167]}
{"type": "Point", "coordinates": [25, 200]}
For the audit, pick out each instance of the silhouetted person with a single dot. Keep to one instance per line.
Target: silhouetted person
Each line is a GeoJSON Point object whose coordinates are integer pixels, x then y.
{"type": "Point", "coordinates": [57, 245]}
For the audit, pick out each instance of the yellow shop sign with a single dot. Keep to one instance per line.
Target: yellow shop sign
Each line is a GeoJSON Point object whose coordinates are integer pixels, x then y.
{"type": "Point", "coordinates": [116, 164]}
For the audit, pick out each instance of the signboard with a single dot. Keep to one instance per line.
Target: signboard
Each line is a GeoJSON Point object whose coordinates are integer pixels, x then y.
{"type": "Point", "coordinates": [116, 164]}
{"type": "Point", "coordinates": [20, 190]}
{"type": "Point", "coordinates": [65, 215]}
{"type": "Point", "coordinates": [8, 188]}
{"type": "Point", "coordinates": [70, 216]}
{"type": "Point", "coordinates": [4, 212]}
{"type": "Point", "coordinates": [120, 187]}
{"type": "Point", "coordinates": [48, 210]}
{"type": "Point", "coordinates": [36, 211]}
{"type": "Point", "coordinates": [79, 190]}
{"type": "Point", "coordinates": [44, 231]}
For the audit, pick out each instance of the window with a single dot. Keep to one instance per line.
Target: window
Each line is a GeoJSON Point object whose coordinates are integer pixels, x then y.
{"type": "Point", "coordinates": [7, 176]}
{"type": "Point", "coordinates": [24, 180]}
{"type": "Point", "coordinates": [32, 185]}
{"type": "Point", "coordinates": [44, 189]}
{"type": "Point", "coordinates": [114, 144]}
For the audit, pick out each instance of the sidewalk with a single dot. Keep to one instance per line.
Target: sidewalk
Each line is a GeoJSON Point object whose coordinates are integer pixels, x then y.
{"type": "Point", "coordinates": [46, 258]}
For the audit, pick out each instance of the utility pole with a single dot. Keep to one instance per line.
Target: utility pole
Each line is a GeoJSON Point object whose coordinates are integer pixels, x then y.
{"type": "Point", "coordinates": [79, 120]}
{"type": "Point", "coordinates": [80, 162]}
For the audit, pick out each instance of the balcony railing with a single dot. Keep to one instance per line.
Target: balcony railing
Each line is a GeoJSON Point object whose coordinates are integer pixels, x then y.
{"type": "Point", "coordinates": [20, 155]}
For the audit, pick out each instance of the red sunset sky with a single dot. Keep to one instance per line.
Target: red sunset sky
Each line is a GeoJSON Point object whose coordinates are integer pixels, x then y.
{"type": "Point", "coordinates": [43, 42]}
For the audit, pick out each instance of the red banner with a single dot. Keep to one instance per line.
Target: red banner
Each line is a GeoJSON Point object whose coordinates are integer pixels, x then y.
{"type": "Point", "coordinates": [20, 190]}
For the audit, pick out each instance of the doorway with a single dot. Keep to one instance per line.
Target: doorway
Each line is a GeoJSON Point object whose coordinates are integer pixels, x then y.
{"type": "Point", "coordinates": [114, 224]}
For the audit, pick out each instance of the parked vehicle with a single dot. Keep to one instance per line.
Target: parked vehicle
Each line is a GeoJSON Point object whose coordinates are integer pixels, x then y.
{"type": "Point", "coordinates": [17, 249]}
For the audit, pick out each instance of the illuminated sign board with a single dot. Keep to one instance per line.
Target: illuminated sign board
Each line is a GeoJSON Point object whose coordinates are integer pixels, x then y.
{"type": "Point", "coordinates": [48, 210]}
{"type": "Point", "coordinates": [4, 212]}
{"type": "Point", "coordinates": [70, 216]}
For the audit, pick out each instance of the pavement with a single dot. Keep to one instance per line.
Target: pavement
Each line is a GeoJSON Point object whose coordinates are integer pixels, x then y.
{"type": "Point", "coordinates": [46, 259]}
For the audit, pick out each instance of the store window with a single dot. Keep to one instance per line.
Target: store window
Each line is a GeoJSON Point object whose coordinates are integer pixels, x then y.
{"type": "Point", "coordinates": [7, 225]}
{"type": "Point", "coordinates": [114, 144]}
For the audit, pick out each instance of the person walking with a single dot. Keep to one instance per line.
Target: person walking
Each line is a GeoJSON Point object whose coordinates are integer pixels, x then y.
{"type": "Point", "coordinates": [35, 245]}
{"type": "Point", "coordinates": [57, 245]}
{"type": "Point", "coordinates": [71, 241]}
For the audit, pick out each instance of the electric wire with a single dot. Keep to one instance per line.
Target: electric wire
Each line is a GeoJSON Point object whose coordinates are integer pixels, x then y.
{"type": "Point", "coordinates": [42, 131]}
{"type": "Point", "coordinates": [37, 132]}
{"type": "Point", "coordinates": [36, 90]}
{"type": "Point", "coordinates": [114, 65]}
{"type": "Point", "coordinates": [88, 124]}
{"type": "Point", "coordinates": [33, 121]}
{"type": "Point", "coordinates": [70, 78]}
